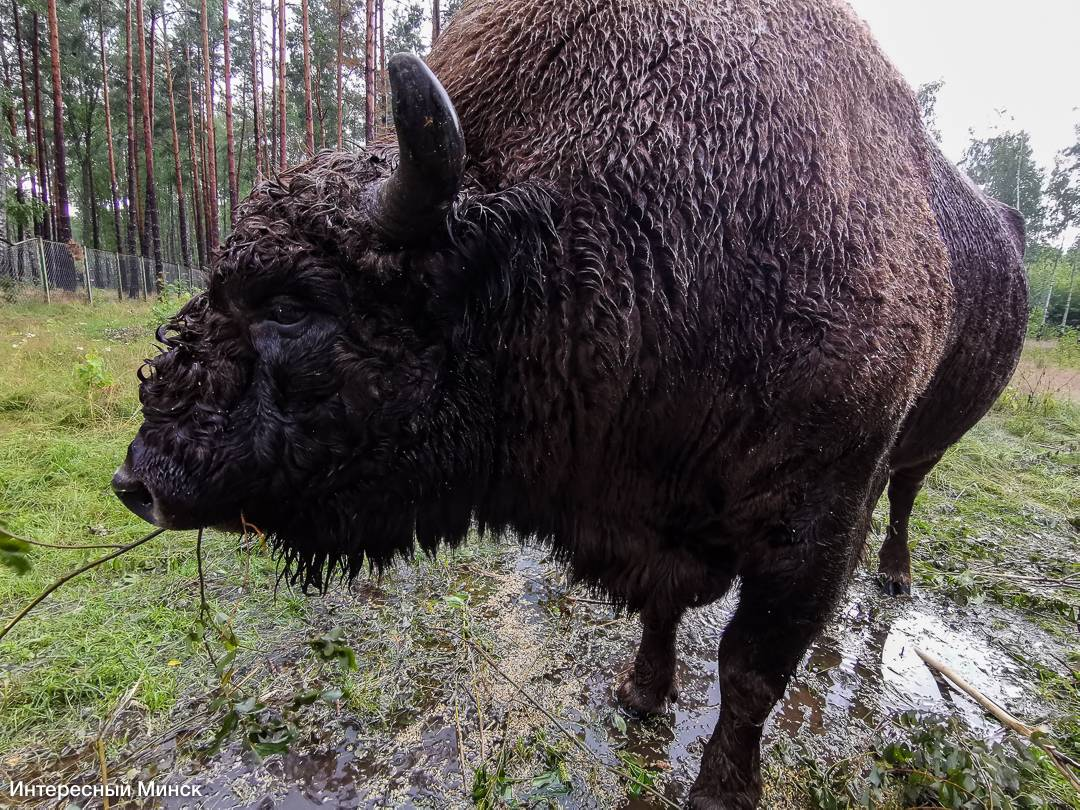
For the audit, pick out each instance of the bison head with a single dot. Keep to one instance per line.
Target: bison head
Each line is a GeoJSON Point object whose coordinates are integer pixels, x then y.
{"type": "Point", "coordinates": [334, 386]}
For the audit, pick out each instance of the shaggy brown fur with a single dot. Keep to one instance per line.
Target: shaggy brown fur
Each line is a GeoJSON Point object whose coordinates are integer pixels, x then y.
{"type": "Point", "coordinates": [705, 285]}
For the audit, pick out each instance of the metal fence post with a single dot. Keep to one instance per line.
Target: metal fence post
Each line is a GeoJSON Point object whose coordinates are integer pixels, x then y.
{"type": "Point", "coordinates": [86, 276]}
{"type": "Point", "coordinates": [44, 274]}
{"type": "Point", "coordinates": [142, 276]}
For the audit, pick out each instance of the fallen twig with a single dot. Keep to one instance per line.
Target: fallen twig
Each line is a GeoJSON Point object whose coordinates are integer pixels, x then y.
{"type": "Point", "coordinates": [99, 743]}
{"type": "Point", "coordinates": [1068, 582]}
{"type": "Point", "coordinates": [67, 547]}
{"type": "Point", "coordinates": [1035, 734]}
{"type": "Point", "coordinates": [41, 597]}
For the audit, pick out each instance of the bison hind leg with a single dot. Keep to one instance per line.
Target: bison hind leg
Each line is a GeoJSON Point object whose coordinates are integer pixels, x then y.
{"type": "Point", "coordinates": [894, 559]}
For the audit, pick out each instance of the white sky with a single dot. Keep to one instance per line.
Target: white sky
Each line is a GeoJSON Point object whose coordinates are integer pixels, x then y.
{"type": "Point", "coordinates": [1023, 57]}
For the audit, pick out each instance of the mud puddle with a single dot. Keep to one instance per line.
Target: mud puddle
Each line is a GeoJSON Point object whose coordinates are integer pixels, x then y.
{"type": "Point", "coordinates": [566, 651]}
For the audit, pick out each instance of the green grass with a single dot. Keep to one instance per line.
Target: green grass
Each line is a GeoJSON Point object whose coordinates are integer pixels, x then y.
{"type": "Point", "coordinates": [62, 432]}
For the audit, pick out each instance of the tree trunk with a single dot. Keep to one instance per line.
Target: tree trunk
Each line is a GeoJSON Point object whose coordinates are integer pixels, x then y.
{"type": "Point", "coordinates": [381, 81]}
{"type": "Point", "coordinates": [309, 116]}
{"type": "Point", "coordinates": [281, 84]}
{"type": "Point", "coordinates": [90, 194]}
{"type": "Point", "coordinates": [1068, 298]}
{"type": "Point", "coordinates": [370, 90]}
{"type": "Point", "coordinates": [211, 137]}
{"type": "Point", "coordinates": [230, 143]}
{"type": "Point", "coordinates": [39, 132]}
{"type": "Point", "coordinates": [340, 107]}
{"type": "Point", "coordinates": [31, 156]}
{"type": "Point", "coordinates": [148, 145]}
{"type": "Point", "coordinates": [1050, 288]}
{"type": "Point", "coordinates": [196, 184]}
{"type": "Point", "coordinates": [255, 96]}
{"type": "Point", "coordinates": [10, 115]}
{"type": "Point", "coordinates": [320, 117]}
{"type": "Point", "coordinates": [63, 216]}
{"type": "Point", "coordinates": [243, 131]}
{"type": "Point", "coordinates": [185, 249]}
{"type": "Point", "coordinates": [109, 137]}
{"type": "Point", "coordinates": [436, 22]}
{"type": "Point", "coordinates": [273, 129]}
{"type": "Point", "coordinates": [132, 265]}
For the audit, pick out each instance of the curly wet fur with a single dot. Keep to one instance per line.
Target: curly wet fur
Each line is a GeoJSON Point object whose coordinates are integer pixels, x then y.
{"type": "Point", "coordinates": [707, 287]}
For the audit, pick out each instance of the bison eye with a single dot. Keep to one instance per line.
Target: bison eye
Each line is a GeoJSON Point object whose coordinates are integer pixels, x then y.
{"type": "Point", "coordinates": [286, 313]}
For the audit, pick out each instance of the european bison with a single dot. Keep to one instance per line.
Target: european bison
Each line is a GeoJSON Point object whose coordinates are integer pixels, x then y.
{"type": "Point", "coordinates": [698, 286]}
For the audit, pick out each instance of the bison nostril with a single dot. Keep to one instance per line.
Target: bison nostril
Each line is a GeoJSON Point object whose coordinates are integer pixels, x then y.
{"type": "Point", "coordinates": [134, 494]}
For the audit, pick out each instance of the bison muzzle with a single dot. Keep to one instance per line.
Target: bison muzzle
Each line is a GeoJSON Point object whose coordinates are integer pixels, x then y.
{"type": "Point", "coordinates": [676, 288]}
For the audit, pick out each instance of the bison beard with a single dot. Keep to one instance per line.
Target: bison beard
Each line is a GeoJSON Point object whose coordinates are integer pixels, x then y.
{"type": "Point", "coordinates": [699, 289]}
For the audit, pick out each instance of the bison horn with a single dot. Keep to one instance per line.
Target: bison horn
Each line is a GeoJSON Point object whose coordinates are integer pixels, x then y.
{"type": "Point", "coordinates": [431, 152]}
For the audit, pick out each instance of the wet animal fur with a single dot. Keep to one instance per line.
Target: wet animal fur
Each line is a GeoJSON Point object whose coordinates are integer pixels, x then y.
{"type": "Point", "coordinates": [707, 286]}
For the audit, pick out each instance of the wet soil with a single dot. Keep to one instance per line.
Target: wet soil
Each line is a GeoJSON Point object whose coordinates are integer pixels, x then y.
{"type": "Point", "coordinates": [566, 652]}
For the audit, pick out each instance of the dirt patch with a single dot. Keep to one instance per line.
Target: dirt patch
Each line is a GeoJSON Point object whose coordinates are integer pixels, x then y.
{"type": "Point", "coordinates": [1036, 378]}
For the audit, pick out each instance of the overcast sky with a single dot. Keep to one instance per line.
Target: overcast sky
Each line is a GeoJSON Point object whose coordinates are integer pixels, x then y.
{"type": "Point", "coordinates": [1023, 57]}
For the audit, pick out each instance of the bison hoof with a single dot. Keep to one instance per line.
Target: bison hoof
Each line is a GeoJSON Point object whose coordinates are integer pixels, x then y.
{"type": "Point", "coordinates": [645, 701]}
{"type": "Point", "coordinates": [894, 585]}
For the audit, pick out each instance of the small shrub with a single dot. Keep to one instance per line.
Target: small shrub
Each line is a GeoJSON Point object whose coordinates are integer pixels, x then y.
{"type": "Point", "coordinates": [92, 373]}
{"type": "Point", "coordinates": [171, 299]}
{"type": "Point", "coordinates": [935, 764]}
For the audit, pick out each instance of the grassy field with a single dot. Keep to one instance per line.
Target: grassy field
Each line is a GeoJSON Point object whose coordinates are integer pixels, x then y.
{"type": "Point", "coordinates": [122, 665]}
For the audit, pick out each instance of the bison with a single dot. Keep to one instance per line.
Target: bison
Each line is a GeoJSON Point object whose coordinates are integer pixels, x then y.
{"type": "Point", "coordinates": [674, 287]}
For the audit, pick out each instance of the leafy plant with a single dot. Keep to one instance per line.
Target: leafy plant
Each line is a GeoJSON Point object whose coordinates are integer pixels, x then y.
{"type": "Point", "coordinates": [172, 297]}
{"type": "Point", "coordinates": [330, 647]}
{"type": "Point", "coordinates": [935, 764]}
{"type": "Point", "coordinates": [264, 729]}
{"type": "Point", "coordinates": [92, 373]}
{"type": "Point", "coordinates": [639, 775]}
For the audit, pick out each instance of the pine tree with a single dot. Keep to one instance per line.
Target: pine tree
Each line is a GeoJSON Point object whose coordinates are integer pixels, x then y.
{"type": "Point", "coordinates": [31, 143]}
{"type": "Point", "coordinates": [256, 96]}
{"type": "Point", "coordinates": [39, 130]}
{"type": "Point", "coordinates": [230, 142]}
{"type": "Point", "coordinates": [148, 145]}
{"type": "Point", "coordinates": [196, 183]}
{"type": "Point", "coordinates": [309, 130]}
{"type": "Point", "coordinates": [9, 114]}
{"type": "Point", "coordinates": [338, 67]}
{"type": "Point", "coordinates": [370, 89]}
{"type": "Point", "coordinates": [185, 248]}
{"type": "Point", "coordinates": [63, 216]}
{"type": "Point", "coordinates": [211, 146]}
{"type": "Point", "coordinates": [281, 84]}
{"type": "Point", "coordinates": [113, 188]}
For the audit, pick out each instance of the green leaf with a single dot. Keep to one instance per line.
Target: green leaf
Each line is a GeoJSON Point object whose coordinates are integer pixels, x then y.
{"type": "Point", "coordinates": [13, 552]}
{"type": "Point", "coordinates": [619, 722]}
{"type": "Point", "coordinates": [247, 706]}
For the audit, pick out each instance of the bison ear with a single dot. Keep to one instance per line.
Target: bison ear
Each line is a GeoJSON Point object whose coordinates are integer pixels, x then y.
{"type": "Point", "coordinates": [431, 152]}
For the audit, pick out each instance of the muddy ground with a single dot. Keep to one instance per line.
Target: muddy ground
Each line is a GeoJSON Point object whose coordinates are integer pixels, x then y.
{"type": "Point", "coordinates": [426, 710]}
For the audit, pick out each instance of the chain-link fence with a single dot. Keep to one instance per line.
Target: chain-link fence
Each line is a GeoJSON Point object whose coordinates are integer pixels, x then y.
{"type": "Point", "coordinates": [52, 271]}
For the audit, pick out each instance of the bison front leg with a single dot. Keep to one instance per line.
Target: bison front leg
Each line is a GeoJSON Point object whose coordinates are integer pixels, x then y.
{"type": "Point", "coordinates": [778, 616]}
{"type": "Point", "coordinates": [650, 684]}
